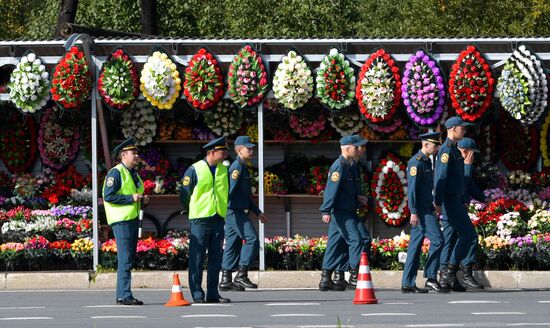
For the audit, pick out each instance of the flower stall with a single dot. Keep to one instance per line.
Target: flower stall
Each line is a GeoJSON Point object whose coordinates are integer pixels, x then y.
{"type": "Point", "coordinates": [295, 98]}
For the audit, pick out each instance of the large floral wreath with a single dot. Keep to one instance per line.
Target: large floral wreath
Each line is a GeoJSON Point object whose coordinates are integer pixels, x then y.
{"type": "Point", "coordinates": [471, 85]}
{"type": "Point", "coordinates": [423, 90]}
{"type": "Point", "coordinates": [72, 81]}
{"type": "Point", "coordinates": [203, 86]}
{"type": "Point", "coordinates": [29, 84]}
{"type": "Point", "coordinates": [335, 81]}
{"type": "Point", "coordinates": [309, 123]}
{"type": "Point", "coordinates": [544, 142]}
{"type": "Point", "coordinates": [389, 189]}
{"type": "Point", "coordinates": [293, 83]}
{"type": "Point", "coordinates": [517, 144]}
{"type": "Point", "coordinates": [160, 81]}
{"type": "Point", "coordinates": [139, 122]}
{"type": "Point", "coordinates": [118, 82]}
{"type": "Point", "coordinates": [379, 87]}
{"type": "Point", "coordinates": [18, 142]}
{"type": "Point", "coordinates": [247, 78]}
{"type": "Point", "coordinates": [225, 118]}
{"type": "Point", "coordinates": [58, 143]}
{"type": "Point", "coordinates": [346, 123]}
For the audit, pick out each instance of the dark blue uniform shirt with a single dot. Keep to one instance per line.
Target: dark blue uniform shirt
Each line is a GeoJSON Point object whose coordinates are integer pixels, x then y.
{"type": "Point", "coordinates": [472, 189]}
{"type": "Point", "coordinates": [343, 187]}
{"type": "Point", "coordinates": [240, 188]}
{"type": "Point", "coordinates": [449, 172]}
{"type": "Point", "coordinates": [420, 183]}
{"type": "Point", "coordinates": [113, 185]}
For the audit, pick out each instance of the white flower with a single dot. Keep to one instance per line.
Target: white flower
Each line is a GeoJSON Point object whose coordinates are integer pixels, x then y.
{"type": "Point", "coordinates": [292, 83]}
{"type": "Point", "coordinates": [29, 84]}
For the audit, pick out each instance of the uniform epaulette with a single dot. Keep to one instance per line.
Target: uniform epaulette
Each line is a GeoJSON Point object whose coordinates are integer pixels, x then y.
{"type": "Point", "coordinates": [418, 157]}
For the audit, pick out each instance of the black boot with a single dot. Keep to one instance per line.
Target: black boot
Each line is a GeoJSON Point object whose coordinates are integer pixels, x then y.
{"type": "Point", "coordinates": [339, 283]}
{"type": "Point", "coordinates": [226, 283]}
{"type": "Point", "coordinates": [448, 278]}
{"type": "Point", "coordinates": [352, 284]}
{"type": "Point", "coordinates": [326, 281]}
{"type": "Point", "coordinates": [468, 279]}
{"type": "Point", "coordinates": [242, 279]}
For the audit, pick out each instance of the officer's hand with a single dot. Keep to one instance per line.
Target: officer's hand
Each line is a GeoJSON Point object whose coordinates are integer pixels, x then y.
{"type": "Point", "coordinates": [438, 210]}
{"type": "Point", "coordinates": [146, 199]}
{"type": "Point", "coordinates": [326, 218]}
{"type": "Point", "coordinates": [414, 219]}
{"type": "Point", "coordinates": [364, 200]}
{"type": "Point", "coordinates": [262, 218]}
{"type": "Point", "coordinates": [136, 197]}
{"type": "Point", "coordinates": [469, 159]}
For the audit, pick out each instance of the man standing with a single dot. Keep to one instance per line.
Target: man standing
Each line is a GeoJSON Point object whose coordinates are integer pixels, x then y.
{"type": "Point", "coordinates": [238, 226]}
{"type": "Point", "coordinates": [204, 191]}
{"type": "Point", "coordinates": [423, 220]}
{"type": "Point", "coordinates": [341, 200]}
{"type": "Point", "coordinates": [122, 194]}
{"type": "Point", "coordinates": [449, 191]}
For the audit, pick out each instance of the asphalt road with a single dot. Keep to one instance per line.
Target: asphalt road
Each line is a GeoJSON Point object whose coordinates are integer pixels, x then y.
{"type": "Point", "coordinates": [278, 308]}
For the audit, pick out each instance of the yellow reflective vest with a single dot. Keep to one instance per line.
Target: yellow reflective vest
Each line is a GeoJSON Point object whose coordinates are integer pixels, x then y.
{"type": "Point", "coordinates": [210, 196]}
{"type": "Point", "coordinates": [117, 212]}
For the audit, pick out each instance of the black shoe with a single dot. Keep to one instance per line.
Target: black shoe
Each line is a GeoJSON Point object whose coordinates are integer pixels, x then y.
{"type": "Point", "coordinates": [199, 301]}
{"type": "Point", "coordinates": [457, 287]}
{"type": "Point", "coordinates": [413, 289]}
{"type": "Point", "coordinates": [326, 281]}
{"type": "Point", "coordinates": [129, 301]}
{"type": "Point", "coordinates": [226, 284]}
{"type": "Point", "coordinates": [468, 279]}
{"type": "Point", "coordinates": [339, 282]}
{"type": "Point", "coordinates": [352, 283]}
{"type": "Point", "coordinates": [219, 300]}
{"type": "Point", "coordinates": [432, 284]}
{"type": "Point", "coordinates": [241, 279]}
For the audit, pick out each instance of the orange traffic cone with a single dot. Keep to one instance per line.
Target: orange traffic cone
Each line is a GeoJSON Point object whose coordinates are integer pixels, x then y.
{"type": "Point", "coordinates": [176, 297]}
{"type": "Point", "coordinates": [364, 293]}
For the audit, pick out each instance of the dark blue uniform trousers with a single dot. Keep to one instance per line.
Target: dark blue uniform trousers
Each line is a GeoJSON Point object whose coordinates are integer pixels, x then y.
{"type": "Point", "coordinates": [206, 234]}
{"type": "Point", "coordinates": [464, 251]}
{"type": "Point", "coordinates": [126, 236]}
{"type": "Point", "coordinates": [238, 227]}
{"type": "Point", "coordinates": [449, 237]}
{"type": "Point", "coordinates": [345, 226]}
{"type": "Point", "coordinates": [428, 227]}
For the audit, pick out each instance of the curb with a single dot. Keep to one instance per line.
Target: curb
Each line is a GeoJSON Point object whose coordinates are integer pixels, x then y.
{"type": "Point", "coordinates": [265, 279]}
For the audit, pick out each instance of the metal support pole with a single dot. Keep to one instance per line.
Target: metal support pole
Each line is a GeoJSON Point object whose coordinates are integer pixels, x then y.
{"type": "Point", "coordinates": [261, 181]}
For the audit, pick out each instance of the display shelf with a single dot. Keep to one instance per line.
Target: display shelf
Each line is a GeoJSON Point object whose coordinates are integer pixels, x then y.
{"type": "Point", "coordinates": [273, 142]}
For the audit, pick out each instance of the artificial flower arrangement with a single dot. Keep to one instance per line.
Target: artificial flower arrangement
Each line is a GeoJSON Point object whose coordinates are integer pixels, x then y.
{"type": "Point", "coordinates": [293, 83]}
{"type": "Point", "coordinates": [335, 81]}
{"type": "Point", "coordinates": [118, 82]}
{"type": "Point", "coordinates": [379, 87]}
{"type": "Point", "coordinates": [423, 90]}
{"type": "Point", "coordinates": [18, 146]}
{"type": "Point", "coordinates": [346, 123]}
{"type": "Point", "coordinates": [29, 84]}
{"type": "Point", "coordinates": [58, 143]}
{"type": "Point", "coordinates": [225, 118]}
{"type": "Point", "coordinates": [252, 132]}
{"type": "Point", "coordinates": [471, 85]}
{"type": "Point", "coordinates": [544, 150]}
{"type": "Point", "coordinates": [389, 190]}
{"type": "Point", "coordinates": [139, 122]}
{"type": "Point", "coordinates": [203, 85]}
{"type": "Point", "coordinates": [523, 87]}
{"type": "Point", "coordinates": [317, 179]}
{"type": "Point", "coordinates": [517, 144]}
{"type": "Point", "coordinates": [309, 123]}
{"type": "Point", "coordinates": [278, 120]}
{"type": "Point", "coordinates": [273, 185]}
{"type": "Point", "coordinates": [247, 78]}
{"type": "Point", "coordinates": [72, 80]}
{"type": "Point", "coordinates": [160, 81]}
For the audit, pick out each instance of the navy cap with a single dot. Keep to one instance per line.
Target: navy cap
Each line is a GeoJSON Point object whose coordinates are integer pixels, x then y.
{"type": "Point", "coordinates": [358, 140]}
{"type": "Point", "coordinates": [354, 140]}
{"type": "Point", "coordinates": [218, 143]}
{"type": "Point", "coordinates": [244, 141]}
{"type": "Point", "coordinates": [128, 144]}
{"type": "Point", "coordinates": [434, 137]}
{"type": "Point", "coordinates": [468, 143]}
{"type": "Point", "coordinates": [456, 121]}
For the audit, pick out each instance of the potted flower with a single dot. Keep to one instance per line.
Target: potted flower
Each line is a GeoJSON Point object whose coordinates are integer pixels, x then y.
{"type": "Point", "coordinates": [293, 83]}
{"type": "Point", "coordinates": [247, 78]}
{"type": "Point", "coordinates": [11, 254]}
{"type": "Point", "coordinates": [72, 81]}
{"type": "Point", "coordinates": [29, 84]}
{"type": "Point", "coordinates": [389, 190]}
{"type": "Point", "coordinates": [335, 81]}
{"type": "Point", "coordinates": [37, 250]}
{"type": "Point", "coordinates": [118, 82]}
{"type": "Point", "coordinates": [203, 86]}
{"type": "Point", "coordinates": [139, 122]}
{"type": "Point", "coordinates": [160, 81]}
{"type": "Point", "coordinates": [82, 252]}
{"type": "Point", "coordinates": [225, 118]}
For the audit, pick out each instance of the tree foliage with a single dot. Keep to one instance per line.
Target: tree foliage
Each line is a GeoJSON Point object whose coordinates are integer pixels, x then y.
{"type": "Point", "coordinates": [292, 18]}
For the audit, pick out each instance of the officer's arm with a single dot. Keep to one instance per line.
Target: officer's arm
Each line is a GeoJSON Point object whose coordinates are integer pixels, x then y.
{"type": "Point", "coordinates": [234, 177]}
{"type": "Point", "coordinates": [329, 196]}
{"type": "Point", "coordinates": [440, 181]}
{"type": "Point", "coordinates": [412, 176]}
{"type": "Point", "coordinates": [472, 189]}
{"type": "Point", "coordinates": [113, 183]}
{"type": "Point", "coordinates": [187, 185]}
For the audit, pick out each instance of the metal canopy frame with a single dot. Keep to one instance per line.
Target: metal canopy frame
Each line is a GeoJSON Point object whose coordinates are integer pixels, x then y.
{"type": "Point", "coordinates": [272, 51]}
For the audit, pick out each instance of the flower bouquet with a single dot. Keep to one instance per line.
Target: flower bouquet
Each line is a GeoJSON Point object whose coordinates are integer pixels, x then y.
{"type": "Point", "coordinates": [247, 78]}
{"type": "Point", "coordinates": [389, 190]}
{"type": "Point", "coordinates": [139, 122]}
{"type": "Point", "coordinates": [225, 118]}
{"type": "Point", "coordinates": [61, 249]}
{"type": "Point", "coordinates": [423, 90]}
{"type": "Point", "coordinates": [293, 83]}
{"type": "Point", "coordinates": [346, 123]}
{"type": "Point", "coordinates": [378, 89]}
{"type": "Point", "coordinates": [118, 82]}
{"type": "Point", "coordinates": [108, 254]}
{"type": "Point", "coordinates": [471, 85]}
{"type": "Point", "coordinates": [18, 145]}
{"type": "Point", "coordinates": [72, 81]}
{"type": "Point", "coordinates": [82, 252]}
{"type": "Point", "coordinates": [26, 186]}
{"type": "Point", "coordinates": [203, 86]}
{"type": "Point", "coordinates": [317, 180]}
{"type": "Point", "coordinates": [65, 229]}
{"type": "Point", "coordinates": [29, 84]}
{"type": "Point", "coordinates": [57, 142]}
{"type": "Point", "coordinates": [273, 185]}
{"type": "Point", "coordinates": [37, 249]}
{"type": "Point", "coordinates": [160, 81]}
{"type": "Point", "coordinates": [335, 81]}
{"type": "Point", "coordinates": [518, 144]}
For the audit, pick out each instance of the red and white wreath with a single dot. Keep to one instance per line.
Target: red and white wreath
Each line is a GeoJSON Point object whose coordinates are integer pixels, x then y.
{"type": "Point", "coordinates": [389, 190]}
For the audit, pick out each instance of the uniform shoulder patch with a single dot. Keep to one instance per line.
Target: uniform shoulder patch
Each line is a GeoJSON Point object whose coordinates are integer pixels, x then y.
{"type": "Point", "coordinates": [413, 171]}
{"type": "Point", "coordinates": [235, 174]}
{"type": "Point", "coordinates": [110, 181]}
{"type": "Point", "coordinates": [444, 158]}
{"type": "Point", "coordinates": [335, 177]}
{"type": "Point", "coordinates": [186, 181]}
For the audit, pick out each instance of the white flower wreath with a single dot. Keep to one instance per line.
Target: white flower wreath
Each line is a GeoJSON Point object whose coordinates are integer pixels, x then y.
{"type": "Point", "coordinates": [293, 83]}
{"type": "Point", "coordinates": [29, 84]}
{"type": "Point", "coordinates": [346, 124]}
{"type": "Point", "coordinates": [394, 217]}
{"type": "Point", "coordinates": [225, 118]}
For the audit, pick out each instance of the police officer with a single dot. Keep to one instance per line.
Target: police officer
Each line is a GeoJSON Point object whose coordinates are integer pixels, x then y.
{"type": "Point", "coordinates": [238, 226]}
{"type": "Point", "coordinates": [423, 220]}
{"type": "Point", "coordinates": [449, 190]}
{"type": "Point", "coordinates": [204, 191]}
{"type": "Point", "coordinates": [122, 194]}
{"type": "Point", "coordinates": [467, 147]}
{"type": "Point", "coordinates": [341, 200]}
